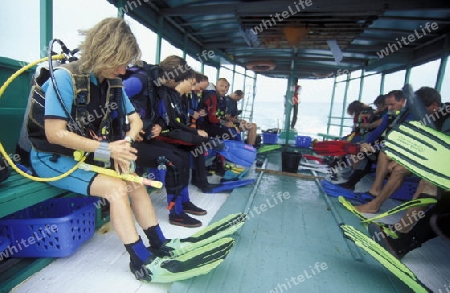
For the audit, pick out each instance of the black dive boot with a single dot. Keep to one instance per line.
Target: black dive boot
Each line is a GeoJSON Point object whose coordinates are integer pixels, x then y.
{"type": "Point", "coordinates": [397, 247]}
{"type": "Point", "coordinates": [356, 176]}
{"type": "Point", "coordinates": [420, 233]}
{"type": "Point", "coordinates": [200, 179]}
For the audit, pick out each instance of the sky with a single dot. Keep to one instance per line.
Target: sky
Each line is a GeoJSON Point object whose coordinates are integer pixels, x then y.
{"type": "Point", "coordinates": [20, 40]}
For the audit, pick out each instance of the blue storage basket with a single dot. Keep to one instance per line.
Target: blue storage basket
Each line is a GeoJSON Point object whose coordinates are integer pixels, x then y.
{"type": "Point", "coordinates": [406, 191]}
{"type": "Point", "coordinates": [270, 138]}
{"type": "Point", "coordinates": [52, 228]}
{"type": "Point", "coordinates": [4, 243]}
{"type": "Point", "coordinates": [303, 141]}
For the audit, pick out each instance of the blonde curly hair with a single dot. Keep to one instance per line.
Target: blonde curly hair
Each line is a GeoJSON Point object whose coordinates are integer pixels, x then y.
{"type": "Point", "coordinates": [110, 43]}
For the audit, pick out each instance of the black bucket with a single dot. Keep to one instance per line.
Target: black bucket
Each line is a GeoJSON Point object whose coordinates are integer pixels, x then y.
{"type": "Point", "coordinates": [290, 161]}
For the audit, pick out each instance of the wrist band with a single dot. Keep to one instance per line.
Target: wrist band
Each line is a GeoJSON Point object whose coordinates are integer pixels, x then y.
{"type": "Point", "coordinates": [102, 153]}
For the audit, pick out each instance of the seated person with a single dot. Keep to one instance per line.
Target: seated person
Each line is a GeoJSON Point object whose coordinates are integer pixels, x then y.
{"type": "Point", "coordinates": [375, 119]}
{"type": "Point", "coordinates": [57, 135]}
{"type": "Point", "coordinates": [176, 129]}
{"type": "Point", "coordinates": [153, 151]}
{"type": "Point", "coordinates": [360, 113]}
{"type": "Point", "coordinates": [232, 114]}
{"type": "Point", "coordinates": [363, 167]}
{"type": "Point", "coordinates": [215, 123]}
{"type": "Point", "coordinates": [194, 98]}
{"type": "Point", "coordinates": [432, 101]}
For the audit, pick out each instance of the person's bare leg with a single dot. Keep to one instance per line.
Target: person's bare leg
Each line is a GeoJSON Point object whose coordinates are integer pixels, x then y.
{"type": "Point", "coordinates": [380, 173]}
{"type": "Point", "coordinates": [115, 191]}
{"type": "Point", "coordinates": [394, 182]}
{"type": "Point", "coordinates": [252, 128]}
{"type": "Point", "coordinates": [141, 205]}
{"type": "Point", "coordinates": [412, 215]}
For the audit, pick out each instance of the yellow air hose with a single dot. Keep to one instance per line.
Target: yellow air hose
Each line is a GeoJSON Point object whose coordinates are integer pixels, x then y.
{"type": "Point", "coordinates": [26, 67]}
{"type": "Point", "coordinates": [78, 155]}
{"type": "Point", "coordinates": [2, 150]}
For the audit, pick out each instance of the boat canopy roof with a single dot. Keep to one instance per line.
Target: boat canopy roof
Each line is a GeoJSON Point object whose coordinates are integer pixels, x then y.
{"type": "Point", "coordinates": [307, 38]}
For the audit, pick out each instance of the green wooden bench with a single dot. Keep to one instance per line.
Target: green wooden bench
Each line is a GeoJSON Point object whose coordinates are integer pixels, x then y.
{"type": "Point", "coordinates": [19, 192]}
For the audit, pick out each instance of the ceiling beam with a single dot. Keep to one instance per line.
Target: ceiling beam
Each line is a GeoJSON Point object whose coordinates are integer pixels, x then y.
{"type": "Point", "coordinates": [269, 7]}
{"type": "Point", "coordinates": [231, 20]}
{"type": "Point", "coordinates": [402, 32]}
{"type": "Point", "coordinates": [421, 19]}
{"type": "Point", "coordinates": [214, 32]}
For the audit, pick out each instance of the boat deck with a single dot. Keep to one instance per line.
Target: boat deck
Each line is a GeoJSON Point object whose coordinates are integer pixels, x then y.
{"type": "Point", "coordinates": [291, 242]}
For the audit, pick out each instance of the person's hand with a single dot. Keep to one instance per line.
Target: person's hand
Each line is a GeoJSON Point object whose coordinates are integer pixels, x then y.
{"type": "Point", "coordinates": [156, 130]}
{"type": "Point", "coordinates": [202, 133]}
{"type": "Point", "coordinates": [122, 152]}
{"type": "Point", "coordinates": [122, 167]}
{"type": "Point", "coordinates": [196, 115]}
{"type": "Point", "coordinates": [365, 147]}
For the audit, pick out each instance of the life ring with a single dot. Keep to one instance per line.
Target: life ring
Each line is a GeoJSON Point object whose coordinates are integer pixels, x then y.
{"type": "Point", "coordinates": [261, 65]}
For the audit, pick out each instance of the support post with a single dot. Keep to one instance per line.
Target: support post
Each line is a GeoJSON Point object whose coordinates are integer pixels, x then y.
{"type": "Point", "coordinates": [232, 78]}
{"type": "Point", "coordinates": [120, 9]}
{"type": "Point", "coordinates": [382, 83]}
{"type": "Point", "coordinates": [344, 104]}
{"type": "Point", "coordinates": [288, 103]}
{"type": "Point", "coordinates": [408, 73]}
{"type": "Point", "coordinates": [361, 85]}
{"type": "Point", "coordinates": [159, 40]}
{"type": "Point", "coordinates": [444, 60]}
{"type": "Point", "coordinates": [46, 25]}
{"type": "Point", "coordinates": [331, 106]}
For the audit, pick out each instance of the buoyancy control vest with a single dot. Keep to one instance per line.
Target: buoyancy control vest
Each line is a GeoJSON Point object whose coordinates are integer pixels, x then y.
{"type": "Point", "coordinates": [207, 101]}
{"type": "Point", "coordinates": [441, 116]}
{"type": "Point", "coordinates": [98, 110]}
{"type": "Point", "coordinates": [174, 113]}
{"type": "Point", "coordinates": [397, 118]}
{"type": "Point", "coordinates": [175, 129]}
{"type": "Point", "coordinates": [146, 102]}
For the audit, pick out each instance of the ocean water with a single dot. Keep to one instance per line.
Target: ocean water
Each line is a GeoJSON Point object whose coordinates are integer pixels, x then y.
{"type": "Point", "coordinates": [312, 116]}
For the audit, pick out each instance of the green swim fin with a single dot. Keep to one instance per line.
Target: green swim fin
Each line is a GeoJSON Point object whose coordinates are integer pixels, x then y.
{"type": "Point", "coordinates": [421, 150]}
{"type": "Point", "coordinates": [198, 261]}
{"type": "Point", "coordinates": [384, 258]}
{"type": "Point", "coordinates": [211, 233]}
{"type": "Point", "coordinates": [363, 219]}
{"type": "Point", "coordinates": [268, 148]}
{"type": "Point", "coordinates": [404, 206]}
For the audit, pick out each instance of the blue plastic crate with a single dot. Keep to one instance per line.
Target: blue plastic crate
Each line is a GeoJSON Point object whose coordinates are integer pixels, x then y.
{"type": "Point", "coordinates": [52, 228]}
{"type": "Point", "coordinates": [4, 243]}
{"type": "Point", "coordinates": [303, 141]}
{"type": "Point", "coordinates": [270, 138]}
